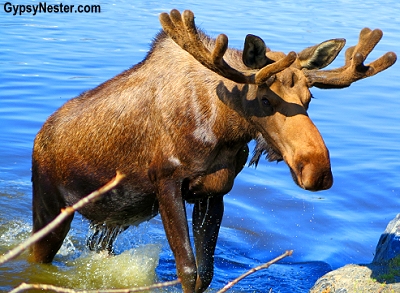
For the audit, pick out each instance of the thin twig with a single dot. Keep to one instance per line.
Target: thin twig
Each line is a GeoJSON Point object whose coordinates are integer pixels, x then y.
{"type": "Point", "coordinates": [253, 270]}
{"type": "Point", "coordinates": [65, 213]}
{"type": "Point", "coordinates": [24, 287]}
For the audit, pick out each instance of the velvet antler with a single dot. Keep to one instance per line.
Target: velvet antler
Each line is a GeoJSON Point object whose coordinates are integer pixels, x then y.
{"type": "Point", "coordinates": [182, 29]}
{"type": "Point", "coordinates": [354, 68]}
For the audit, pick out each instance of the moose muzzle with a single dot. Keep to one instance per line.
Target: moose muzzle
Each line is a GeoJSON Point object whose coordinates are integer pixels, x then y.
{"type": "Point", "coordinates": [313, 176]}
{"type": "Point", "coordinates": [307, 156]}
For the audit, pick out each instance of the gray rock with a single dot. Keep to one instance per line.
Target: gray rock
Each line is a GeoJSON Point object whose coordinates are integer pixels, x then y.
{"type": "Point", "coordinates": [389, 244]}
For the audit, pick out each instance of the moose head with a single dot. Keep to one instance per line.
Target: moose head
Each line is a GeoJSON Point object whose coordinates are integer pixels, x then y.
{"type": "Point", "coordinates": [278, 105]}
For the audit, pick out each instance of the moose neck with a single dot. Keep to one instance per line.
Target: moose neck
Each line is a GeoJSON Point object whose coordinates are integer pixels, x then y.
{"type": "Point", "coordinates": [207, 105]}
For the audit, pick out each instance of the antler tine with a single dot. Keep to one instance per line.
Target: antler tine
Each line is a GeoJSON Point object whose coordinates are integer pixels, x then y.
{"type": "Point", "coordinates": [182, 29]}
{"type": "Point", "coordinates": [221, 44]}
{"type": "Point", "coordinates": [367, 41]}
{"type": "Point", "coordinates": [271, 69]}
{"type": "Point", "coordinates": [354, 68]}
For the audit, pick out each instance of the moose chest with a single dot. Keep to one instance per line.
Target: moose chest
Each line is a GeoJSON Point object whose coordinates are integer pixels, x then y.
{"type": "Point", "coordinates": [219, 177]}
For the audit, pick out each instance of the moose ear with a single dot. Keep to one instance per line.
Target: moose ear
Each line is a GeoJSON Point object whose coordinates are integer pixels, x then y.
{"type": "Point", "coordinates": [254, 52]}
{"type": "Point", "coordinates": [320, 56]}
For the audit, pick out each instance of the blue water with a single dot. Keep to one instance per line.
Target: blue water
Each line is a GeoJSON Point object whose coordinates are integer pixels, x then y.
{"type": "Point", "coordinates": [47, 59]}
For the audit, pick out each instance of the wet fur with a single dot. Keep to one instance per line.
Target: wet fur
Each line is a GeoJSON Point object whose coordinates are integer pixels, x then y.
{"type": "Point", "coordinates": [263, 148]}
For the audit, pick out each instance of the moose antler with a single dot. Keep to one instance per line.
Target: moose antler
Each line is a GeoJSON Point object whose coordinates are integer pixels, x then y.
{"type": "Point", "coordinates": [354, 68]}
{"type": "Point", "coordinates": [182, 29]}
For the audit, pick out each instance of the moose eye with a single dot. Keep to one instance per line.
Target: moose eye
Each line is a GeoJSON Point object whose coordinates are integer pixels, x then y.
{"type": "Point", "coordinates": [265, 102]}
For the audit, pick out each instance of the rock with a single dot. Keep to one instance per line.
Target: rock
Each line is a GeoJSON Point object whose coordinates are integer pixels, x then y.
{"type": "Point", "coordinates": [389, 244]}
{"type": "Point", "coordinates": [382, 275]}
{"type": "Point", "coordinates": [354, 278]}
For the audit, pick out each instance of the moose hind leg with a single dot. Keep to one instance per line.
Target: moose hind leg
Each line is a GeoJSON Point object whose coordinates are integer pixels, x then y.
{"type": "Point", "coordinates": [47, 204]}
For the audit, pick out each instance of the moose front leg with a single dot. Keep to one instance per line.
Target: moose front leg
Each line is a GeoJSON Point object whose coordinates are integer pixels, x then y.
{"type": "Point", "coordinates": [207, 216]}
{"type": "Point", "coordinates": [173, 215]}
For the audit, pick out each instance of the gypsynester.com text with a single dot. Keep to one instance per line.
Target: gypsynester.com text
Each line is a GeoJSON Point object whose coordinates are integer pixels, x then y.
{"type": "Point", "coordinates": [43, 7]}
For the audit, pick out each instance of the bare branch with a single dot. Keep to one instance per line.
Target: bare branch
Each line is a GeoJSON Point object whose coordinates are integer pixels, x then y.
{"type": "Point", "coordinates": [65, 213]}
{"type": "Point", "coordinates": [253, 270]}
{"type": "Point", "coordinates": [24, 287]}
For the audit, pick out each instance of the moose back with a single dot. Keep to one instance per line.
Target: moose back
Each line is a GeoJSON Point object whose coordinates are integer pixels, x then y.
{"type": "Point", "coordinates": [177, 125]}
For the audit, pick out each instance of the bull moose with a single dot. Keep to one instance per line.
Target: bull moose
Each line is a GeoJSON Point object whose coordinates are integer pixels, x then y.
{"type": "Point", "coordinates": [177, 125]}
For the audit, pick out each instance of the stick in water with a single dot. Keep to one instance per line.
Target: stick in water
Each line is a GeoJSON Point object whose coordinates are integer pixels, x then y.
{"type": "Point", "coordinates": [253, 270]}
{"type": "Point", "coordinates": [24, 287]}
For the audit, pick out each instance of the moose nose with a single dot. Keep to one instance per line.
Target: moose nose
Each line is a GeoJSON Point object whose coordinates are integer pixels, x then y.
{"type": "Point", "coordinates": [314, 178]}
{"type": "Point", "coordinates": [310, 166]}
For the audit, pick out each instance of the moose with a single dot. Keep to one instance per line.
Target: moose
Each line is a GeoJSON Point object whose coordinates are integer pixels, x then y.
{"type": "Point", "coordinates": [178, 125]}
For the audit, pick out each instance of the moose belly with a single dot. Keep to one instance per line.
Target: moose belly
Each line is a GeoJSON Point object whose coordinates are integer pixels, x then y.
{"type": "Point", "coordinates": [122, 206]}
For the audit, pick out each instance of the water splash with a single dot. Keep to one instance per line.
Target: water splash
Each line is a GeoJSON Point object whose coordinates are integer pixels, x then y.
{"type": "Point", "coordinates": [132, 268]}
{"type": "Point", "coordinates": [76, 267]}
{"type": "Point", "coordinates": [13, 232]}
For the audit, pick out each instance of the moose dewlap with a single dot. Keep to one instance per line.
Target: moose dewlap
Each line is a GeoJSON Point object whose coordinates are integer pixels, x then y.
{"type": "Point", "coordinates": [177, 125]}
